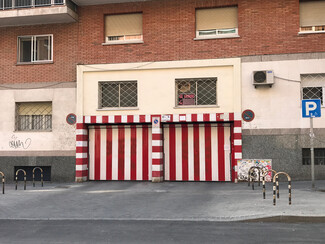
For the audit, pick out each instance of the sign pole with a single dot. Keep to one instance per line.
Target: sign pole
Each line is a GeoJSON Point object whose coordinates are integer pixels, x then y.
{"type": "Point", "coordinates": [312, 155]}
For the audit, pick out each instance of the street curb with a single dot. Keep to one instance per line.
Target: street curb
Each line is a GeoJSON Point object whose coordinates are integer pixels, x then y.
{"type": "Point", "coordinates": [288, 219]}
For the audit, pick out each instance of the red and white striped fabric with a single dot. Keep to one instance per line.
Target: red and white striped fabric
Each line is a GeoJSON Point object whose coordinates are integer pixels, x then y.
{"type": "Point", "coordinates": [120, 152]}
{"type": "Point", "coordinates": [197, 152]}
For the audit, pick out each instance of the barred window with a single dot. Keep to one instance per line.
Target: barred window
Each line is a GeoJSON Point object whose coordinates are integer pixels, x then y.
{"type": "Point", "coordinates": [313, 86]}
{"type": "Point", "coordinates": [34, 116]}
{"type": "Point", "coordinates": [319, 154]}
{"type": "Point", "coordinates": [118, 94]}
{"type": "Point", "coordinates": [198, 91]}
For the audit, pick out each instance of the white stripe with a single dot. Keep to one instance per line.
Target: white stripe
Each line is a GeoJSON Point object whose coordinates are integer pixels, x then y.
{"type": "Point", "coordinates": [182, 117]}
{"type": "Point", "coordinates": [157, 155]}
{"type": "Point", "coordinates": [199, 117]}
{"type": "Point", "coordinates": [237, 116]}
{"type": "Point", "coordinates": [175, 117]}
{"type": "Point", "coordinates": [227, 153]}
{"type": "Point", "coordinates": [157, 143]}
{"type": "Point", "coordinates": [237, 129]}
{"type": "Point", "coordinates": [81, 143]}
{"type": "Point", "coordinates": [91, 154]}
{"type": "Point", "coordinates": [166, 150]}
{"type": "Point", "coordinates": [127, 154]}
{"type": "Point", "coordinates": [213, 117]}
{"type": "Point", "coordinates": [81, 132]}
{"type": "Point", "coordinates": [139, 154]}
{"type": "Point", "coordinates": [214, 153]}
{"type": "Point", "coordinates": [80, 119]}
{"type": "Point", "coordinates": [136, 119]}
{"type": "Point", "coordinates": [111, 119]}
{"type": "Point", "coordinates": [81, 167]}
{"type": "Point", "coordinates": [190, 154]}
{"type": "Point", "coordinates": [81, 155]}
{"type": "Point", "coordinates": [188, 117]}
{"type": "Point", "coordinates": [178, 133]}
{"type": "Point", "coordinates": [124, 119]}
{"type": "Point", "coordinates": [115, 154]}
{"type": "Point", "coordinates": [238, 155]}
{"type": "Point", "coordinates": [226, 117]}
{"type": "Point", "coordinates": [87, 119]}
{"type": "Point", "coordinates": [156, 130]}
{"type": "Point", "coordinates": [99, 119]}
{"type": "Point", "coordinates": [148, 118]}
{"type": "Point", "coordinates": [237, 142]}
{"type": "Point", "coordinates": [103, 154]}
{"type": "Point", "coordinates": [150, 153]}
{"type": "Point", "coordinates": [157, 168]}
{"type": "Point", "coordinates": [202, 153]}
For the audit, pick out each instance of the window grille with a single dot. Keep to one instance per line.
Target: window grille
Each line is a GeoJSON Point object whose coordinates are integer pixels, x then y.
{"type": "Point", "coordinates": [319, 154]}
{"type": "Point", "coordinates": [34, 116]}
{"type": "Point", "coordinates": [313, 86]}
{"type": "Point", "coordinates": [198, 91]}
{"type": "Point", "coordinates": [118, 94]}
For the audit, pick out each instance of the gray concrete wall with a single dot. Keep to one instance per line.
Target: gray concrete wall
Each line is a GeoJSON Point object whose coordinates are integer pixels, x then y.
{"type": "Point", "coordinates": [284, 147]}
{"type": "Point", "coordinates": [62, 167]}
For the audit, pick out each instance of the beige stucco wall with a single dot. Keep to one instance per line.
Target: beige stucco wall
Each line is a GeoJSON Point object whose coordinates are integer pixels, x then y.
{"type": "Point", "coordinates": [279, 106]}
{"type": "Point", "coordinates": [156, 85]}
{"type": "Point", "coordinates": [59, 142]}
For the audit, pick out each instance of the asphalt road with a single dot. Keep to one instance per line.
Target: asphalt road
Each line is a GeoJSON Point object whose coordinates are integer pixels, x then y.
{"type": "Point", "coordinates": [105, 231]}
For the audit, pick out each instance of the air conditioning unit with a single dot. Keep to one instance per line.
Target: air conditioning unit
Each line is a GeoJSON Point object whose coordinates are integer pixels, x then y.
{"type": "Point", "coordinates": [263, 78]}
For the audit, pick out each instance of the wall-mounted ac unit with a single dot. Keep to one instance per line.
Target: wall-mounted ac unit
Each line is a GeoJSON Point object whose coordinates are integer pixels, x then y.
{"type": "Point", "coordinates": [263, 78]}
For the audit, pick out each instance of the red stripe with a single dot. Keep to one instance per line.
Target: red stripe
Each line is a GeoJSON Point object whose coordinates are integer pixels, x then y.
{"type": "Point", "coordinates": [130, 118]}
{"type": "Point", "coordinates": [157, 149]}
{"type": "Point", "coordinates": [206, 117]}
{"type": "Point", "coordinates": [118, 119]}
{"type": "Point", "coordinates": [221, 153]}
{"type": "Point", "coordinates": [133, 152]}
{"type": "Point", "coordinates": [109, 152]}
{"type": "Point", "coordinates": [145, 153]}
{"type": "Point", "coordinates": [82, 137]}
{"type": "Point", "coordinates": [208, 158]}
{"type": "Point", "coordinates": [196, 133]}
{"type": "Point", "coordinates": [231, 117]}
{"type": "Point", "coordinates": [233, 161]}
{"type": "Point", "coordinates": [81, 173]}
{"type": "Point", "coordinates": [184, 152]}
{"type": "Point", "coordinates": [97, 154]}
{"type": "Point", "coordinates": [237, 136]}
{"type": "Point", "coordinates": [172, 152]}
{"type": "Point", "coordinates": [157, 137]}
{"type": "Point", "coordinates": [142, 118]}
{"type": "Point", "coordinates": [157, 161]}
{"type": "Point", "coordinates": [93, 119]}
{"type": "Point", "coordinates": [219, 117]}
{"type": "Point", "coordinates": [121, 149]}
{"type": "Point", "coordinates": [237, 123]}
{"type": "Point", "coordinates": [81, 161]}
{"type": "Point", "coordinates": [81, 126]}
{"type": "Point", "coordinates": [194, 117]}
{"type": "Point", "coordinates": [81, 149]}
{"type": "Point", "coordinates": [157, 173]}
{"type": "Point", "coordinates": [105, 119]}
{"type": "Point", "coordinates": [237, 148]}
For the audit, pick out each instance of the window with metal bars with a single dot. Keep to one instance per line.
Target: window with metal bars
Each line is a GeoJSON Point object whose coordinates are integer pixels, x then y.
{"type": "Point", "coordinates": [197, 91]}
{"type": "Point", "coordinates": [118, 94]}
{"type": "Point", "coordinates": [319, 155]}
{"type": "Point", "coordinates": [313, 86]}
{"type": "Point", "coordinates": [34, 116]}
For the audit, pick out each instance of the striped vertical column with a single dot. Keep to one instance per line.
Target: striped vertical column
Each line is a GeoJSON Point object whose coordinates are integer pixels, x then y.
{"type": "Point", "coordinates": [81, 151]}
{"type": "Point", "coordinates": [237, 142]}
{"type": "Point", "coordinates": [157, 150]}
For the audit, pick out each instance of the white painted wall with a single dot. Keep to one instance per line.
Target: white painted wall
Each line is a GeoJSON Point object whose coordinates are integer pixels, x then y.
{"type": "Point", "coordinates": [279, 106]}
{"type": "Point", "coordinates": [62, 136]}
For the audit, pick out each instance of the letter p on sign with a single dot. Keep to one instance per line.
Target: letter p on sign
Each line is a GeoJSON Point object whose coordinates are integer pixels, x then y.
{"type": "Point", "coordinates": [311, 108]}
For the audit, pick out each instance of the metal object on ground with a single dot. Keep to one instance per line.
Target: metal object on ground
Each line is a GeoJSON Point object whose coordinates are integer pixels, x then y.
{"type": "Point", "coordinates": [263, 178]}
{"type": "Point", "coordinates": [274, 186]}
{"type": "Point", "coordinates": [34, 175]}
{"type": "Point", "coordinates": [3, 182]}
{"type": "Point", "coordinates": [250, 171]}
{"type": "Point", "coordinates": [24, 178]}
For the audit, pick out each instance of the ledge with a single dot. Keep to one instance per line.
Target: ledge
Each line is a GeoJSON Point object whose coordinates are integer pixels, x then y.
{"type": "Point", "coordinates": [32, 63]}
{"type": "Point", "coordinates": [215, 37]}
{"type": "Point", "coordinates": [122, 42]}
{"type": "Point", "coordinates": [310, 32]}
{"type": "Point", "coordinates": [116, 109]}
{"type": "Point", "coordinates": [198, 106]}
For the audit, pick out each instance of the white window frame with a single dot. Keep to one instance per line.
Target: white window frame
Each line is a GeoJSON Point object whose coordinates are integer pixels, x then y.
{"type": "Point", "coordinates": [312, 31]}
{"type": "Point", "coordinates": [33, 38]}
{"type": "Point", "coordinates": [217, 35]}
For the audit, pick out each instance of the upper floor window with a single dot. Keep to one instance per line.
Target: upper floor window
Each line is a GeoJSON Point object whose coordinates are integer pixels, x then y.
{"type": "Point", "coordinates": [312, 17]}
{"type": "Point", "coordinates": [34, 116]}
{"type": "Point", "coordinates": [35, 48]}
{"type": "Point", "coordinates": [216, 22]}
{"type": "Point", "coordinates": [123, 28]}
{"type": "Point", "coordinates": [313, 87]}
{"type": "Point", "coordinates": [199, 91]}
{"type": "Point", "coordinates": [118, 94]}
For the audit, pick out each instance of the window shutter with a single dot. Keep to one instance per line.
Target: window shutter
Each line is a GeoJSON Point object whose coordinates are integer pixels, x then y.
{"type": "Point", "coordinates": [312, 13]}
{"type": "Point", "coordinates": [216, 18]}
{"type": "Point", "coordinates": [123, 24]}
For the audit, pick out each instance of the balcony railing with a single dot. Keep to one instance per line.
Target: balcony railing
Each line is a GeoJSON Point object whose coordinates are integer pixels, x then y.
{"type": "Point", "coordinates": [17, 4]}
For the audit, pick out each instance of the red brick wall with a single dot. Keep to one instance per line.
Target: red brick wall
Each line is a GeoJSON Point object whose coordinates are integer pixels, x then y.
{"type": "Point", "coordinates": [63, 68]}
{"type": "Point", "coordinates": [265, 27]}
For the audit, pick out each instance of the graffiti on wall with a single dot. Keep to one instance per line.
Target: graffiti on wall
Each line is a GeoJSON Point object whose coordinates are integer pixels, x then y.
{"type": "Point", "coordinates": [16, 143]}
{"type": "Point", "coordinates": [245, 164]}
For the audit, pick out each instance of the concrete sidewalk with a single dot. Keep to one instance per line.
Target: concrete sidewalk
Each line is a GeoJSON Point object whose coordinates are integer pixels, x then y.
{"type": "Point", "coordinates": [191, 201]}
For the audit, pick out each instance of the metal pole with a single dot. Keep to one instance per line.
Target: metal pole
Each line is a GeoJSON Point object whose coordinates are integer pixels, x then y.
{"type": "Point", "coordinates": [312, 154]}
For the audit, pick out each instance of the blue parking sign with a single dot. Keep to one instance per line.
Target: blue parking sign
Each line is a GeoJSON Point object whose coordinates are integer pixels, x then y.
{"type": "Point", "coordinates": [311, 108]}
